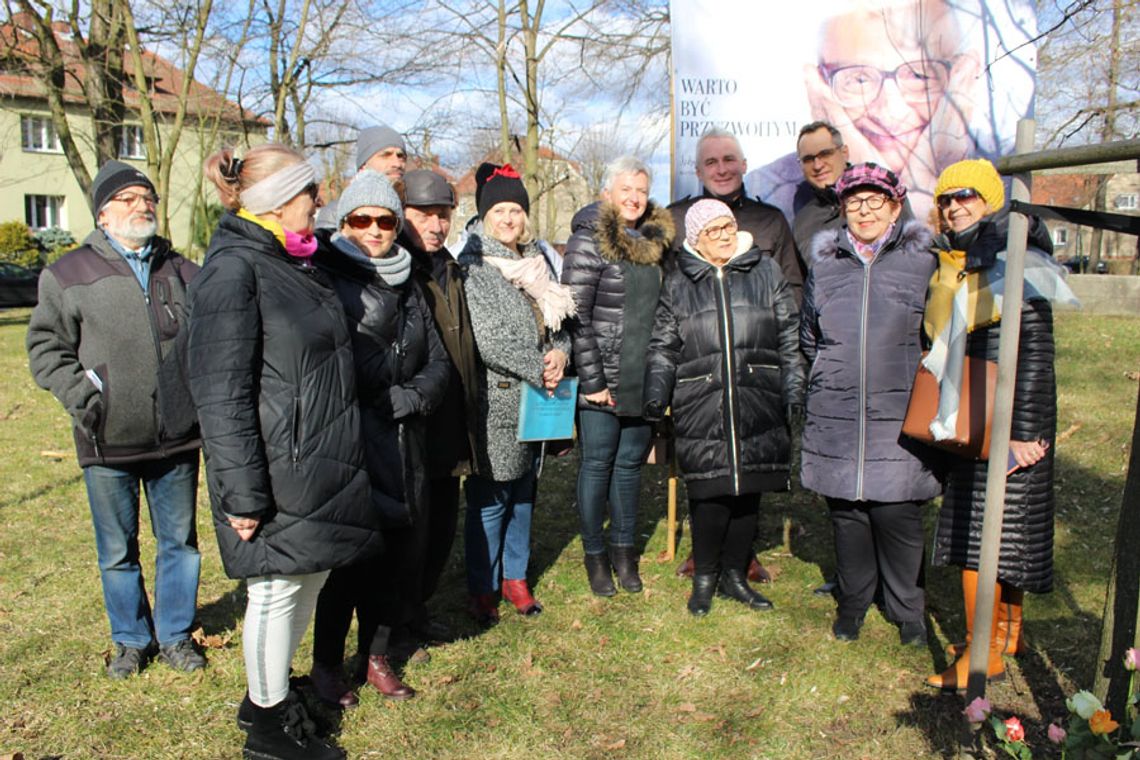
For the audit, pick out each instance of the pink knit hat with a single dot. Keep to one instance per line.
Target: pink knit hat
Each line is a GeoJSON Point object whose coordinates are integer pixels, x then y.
{"type": "Point", "coordinates": [700, 214]}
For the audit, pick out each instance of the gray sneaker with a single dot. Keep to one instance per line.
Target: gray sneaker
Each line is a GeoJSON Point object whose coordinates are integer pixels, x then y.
{"type": "Point", "coordinates": [182, 655]}
{"type": "Point", "coordinates": [126, 661]}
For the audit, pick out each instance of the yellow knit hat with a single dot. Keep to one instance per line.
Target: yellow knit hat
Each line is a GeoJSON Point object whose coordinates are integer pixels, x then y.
{"type": "Point", "coordinates": [976, 173]}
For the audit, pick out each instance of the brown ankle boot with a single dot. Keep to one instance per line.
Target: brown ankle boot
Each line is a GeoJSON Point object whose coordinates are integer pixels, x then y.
{"type": "Point", "coordinates": [384, 679]}
{"type": "Point", "coordinates": [516, 592]}
{"type": "Point", "coordinates": [685, 569]}
{"type": "Point", "coordinates": [956, 676]}
{"type": "Point", "coordinates": [331, 686]}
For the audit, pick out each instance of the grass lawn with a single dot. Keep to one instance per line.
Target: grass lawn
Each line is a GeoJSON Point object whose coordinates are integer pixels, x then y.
{"type": "Point", "coordinates": [632, 676]}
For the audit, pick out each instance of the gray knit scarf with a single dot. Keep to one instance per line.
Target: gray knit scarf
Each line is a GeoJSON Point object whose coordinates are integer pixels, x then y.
{"type": "Point", "coordinates": [393, 268]}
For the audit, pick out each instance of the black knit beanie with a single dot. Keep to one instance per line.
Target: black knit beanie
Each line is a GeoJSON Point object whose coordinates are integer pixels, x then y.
{"type": "Point", "coordinates": [502, 184]}
{"type": "Point", "coordinates": [113, 176]}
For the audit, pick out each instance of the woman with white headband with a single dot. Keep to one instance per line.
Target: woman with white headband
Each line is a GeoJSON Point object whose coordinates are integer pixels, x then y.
{"type": "Point", "coordinates": [272, 376]}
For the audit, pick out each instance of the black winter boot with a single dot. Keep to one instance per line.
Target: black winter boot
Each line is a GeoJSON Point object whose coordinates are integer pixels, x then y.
{"type": "Point", "coordinates": [600, 575]}
{"type": "Point", "coordinates": [285, 732]}
{"type": "Point", "coordinates": [734, 585]}
{"type": "Point", "coordinates": [625, 565]}
{"type": "Point", "coordinates": [704, 586]}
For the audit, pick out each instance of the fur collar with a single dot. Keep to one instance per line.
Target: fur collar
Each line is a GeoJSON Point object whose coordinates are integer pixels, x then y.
{"type": "Point", "coordinates": [911, 236]}
{"type": "Point", "coordinates": [645, 246]}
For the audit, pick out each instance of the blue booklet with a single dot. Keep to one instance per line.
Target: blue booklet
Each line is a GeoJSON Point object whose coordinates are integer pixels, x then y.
{"type": "Point", "coordinates": [546, 416]}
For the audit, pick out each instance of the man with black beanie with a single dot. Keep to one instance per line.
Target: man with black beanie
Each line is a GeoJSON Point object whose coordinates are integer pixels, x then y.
{"type": "Point", "coordinates": [108, 339]}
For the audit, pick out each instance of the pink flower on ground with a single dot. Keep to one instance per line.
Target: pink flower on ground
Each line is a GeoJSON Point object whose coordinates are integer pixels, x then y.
{"type": "Point", "coordinates": [1013, 730]}
{"type": "Point", "coordinates": [1132, 659]}
{"type": "Point", "coordinates": [1056, 733]}
{"type": "Point", "coordinates": [978, 710]}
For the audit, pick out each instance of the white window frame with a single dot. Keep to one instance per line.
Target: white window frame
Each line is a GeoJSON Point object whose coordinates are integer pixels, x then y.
{"type": "Point", "coordinates": [1127, 202]}
{"type": "Point", "coordinates": [1061, 237]}
{"type": "Point", "coordinates": [131, 142]}
{"type": "Point", "coordinates": [37, 134]}
{"type": "Point", "coordinates": [44, 211]}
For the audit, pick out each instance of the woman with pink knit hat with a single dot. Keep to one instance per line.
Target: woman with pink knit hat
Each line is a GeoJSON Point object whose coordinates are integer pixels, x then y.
{"type": "Point", "coordinates": [725, 355]}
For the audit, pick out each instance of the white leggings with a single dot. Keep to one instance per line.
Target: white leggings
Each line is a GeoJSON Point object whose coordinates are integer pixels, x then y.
{"type": "Point", "coordinates": [277, 612]}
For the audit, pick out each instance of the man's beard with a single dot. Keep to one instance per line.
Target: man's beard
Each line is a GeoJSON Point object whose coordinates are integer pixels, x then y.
{"type": "Point", "coordinates": [134, 233]}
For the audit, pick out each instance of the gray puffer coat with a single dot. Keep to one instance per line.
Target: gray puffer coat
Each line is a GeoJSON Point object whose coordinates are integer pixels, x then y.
{"type": "Point", "coordinates": [861, 330]}
{"type": "Point", "coordinates": [511, 341]}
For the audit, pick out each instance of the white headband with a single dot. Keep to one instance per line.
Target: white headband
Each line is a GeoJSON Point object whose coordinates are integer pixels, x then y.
{"type": "Point", "coordinates": [278, 188]}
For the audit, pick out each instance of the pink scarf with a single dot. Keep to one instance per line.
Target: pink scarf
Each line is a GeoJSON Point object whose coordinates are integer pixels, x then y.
{"type": "Point", "coordinates": [531, 276]}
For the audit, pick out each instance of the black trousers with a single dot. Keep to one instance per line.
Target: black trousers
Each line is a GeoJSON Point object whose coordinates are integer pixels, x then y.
{"type": "Point", "coordinates": [723, 529]}
{"type": "Point", "coordinates": [443, 517]}
{"type": "Point", "coordinates": [368, 588]}
{"type": "Point", "coordinates": [879, 543]}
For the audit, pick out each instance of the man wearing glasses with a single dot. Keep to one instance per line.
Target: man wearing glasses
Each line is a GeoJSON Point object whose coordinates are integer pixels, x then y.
{"type": "Point", "coordinates": [108, 339]}
{"type": "Point", "coordinates": [898, 79]}
{"type": "Point", "coordinates": [823, 158]}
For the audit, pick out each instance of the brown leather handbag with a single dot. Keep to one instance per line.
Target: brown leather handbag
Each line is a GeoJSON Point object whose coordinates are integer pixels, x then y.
{"type": "Point", "coordinates": [975, 409]}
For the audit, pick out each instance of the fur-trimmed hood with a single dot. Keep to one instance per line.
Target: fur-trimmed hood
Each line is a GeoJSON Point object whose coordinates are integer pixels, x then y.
{"type": "Point", "coordinates": [910, 236]}
{"type": "Point", "coordinates": [615, 242]}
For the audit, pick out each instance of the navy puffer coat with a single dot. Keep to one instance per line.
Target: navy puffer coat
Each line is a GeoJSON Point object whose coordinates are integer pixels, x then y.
{"type": "Point", "coordinates": [272, 376]}
{"type": "Point", "coordinates": [1026, 558]}
{"type": "Point", "coordinates": [861, 332]}
{"type": "Point", "coordinates": [725, 353]}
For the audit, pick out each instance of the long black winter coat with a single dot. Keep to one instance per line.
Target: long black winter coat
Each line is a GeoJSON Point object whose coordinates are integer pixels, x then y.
{"type": "Point", "coordinates": [725, 352]}
{"type": "Point", "coordinates": [401, 376]}
{"type": "Point", "coordinates": [601, 257]}
{"type": "Point", "coordinates": [861, 332]}
{"type": "Point", "coordinates": [1026, 558]}
{"type": "Point", "coordinates": [272, 376]}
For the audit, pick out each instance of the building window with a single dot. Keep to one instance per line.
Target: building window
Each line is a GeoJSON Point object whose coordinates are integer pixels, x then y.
{"type": "Point", "coordinates": [43, 211]}
{"type": "Point", "coordinates": [39, 135]}
{"type": "Point", "coordinates": [1126, 202]}
{"type": "Point", "coordinates": [131, 143]}
{"type": "Point", "coordinates": [1061, 237]}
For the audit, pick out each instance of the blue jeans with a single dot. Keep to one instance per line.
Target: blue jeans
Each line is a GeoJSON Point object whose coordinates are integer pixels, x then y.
{"type": "Point", "coordinates": [171, 493]}
{"type": "Point", "coordinates": [497, 530]}
{"type": "Point", "coordinates": [613, 451]}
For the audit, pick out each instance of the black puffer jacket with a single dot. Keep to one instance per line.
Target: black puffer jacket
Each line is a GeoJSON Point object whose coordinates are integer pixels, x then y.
{"type": "Point", "coordinates": [401, 376]}
{"type": "Point", "coordinates": [861, 332]}
{"type": "Point", "coordinates": [603, 259]}
{"type": "Point", "coordinates": [271, 373]}
{"type": "Point", "coordinates": [1026, 558]}
{"type": "Point", "coordinates": [725, 352]}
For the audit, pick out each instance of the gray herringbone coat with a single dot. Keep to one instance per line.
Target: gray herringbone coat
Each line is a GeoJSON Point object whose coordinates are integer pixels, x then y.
{"type": "Point", "coordinates": [511, 346]}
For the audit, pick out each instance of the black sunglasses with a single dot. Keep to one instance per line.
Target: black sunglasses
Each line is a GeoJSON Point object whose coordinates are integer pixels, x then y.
{"type": "Point", "coordinates": [962, 196]}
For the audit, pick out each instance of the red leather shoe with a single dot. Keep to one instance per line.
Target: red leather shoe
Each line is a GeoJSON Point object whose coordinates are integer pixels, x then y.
{"type": "Point", "coordinates": [685, 569]}
{"type": "Point", "coordinates": [757, 573]}
{"type": "Point", "coordinates": [384, 679]}
{"type": "Point", "coordinates": [517, 593]}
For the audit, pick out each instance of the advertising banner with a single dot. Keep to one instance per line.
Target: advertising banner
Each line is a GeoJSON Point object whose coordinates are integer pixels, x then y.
{"type": "Point", "coordinates": [914, 85]}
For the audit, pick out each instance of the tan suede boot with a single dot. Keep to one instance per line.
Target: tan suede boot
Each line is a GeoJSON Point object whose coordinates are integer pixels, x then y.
{"type": "Point", "coordinates": [955, 677]}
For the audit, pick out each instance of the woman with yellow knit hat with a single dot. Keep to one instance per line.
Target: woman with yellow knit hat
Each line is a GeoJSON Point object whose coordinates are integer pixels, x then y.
{"type": "Point", "coordinates": [963, 318]}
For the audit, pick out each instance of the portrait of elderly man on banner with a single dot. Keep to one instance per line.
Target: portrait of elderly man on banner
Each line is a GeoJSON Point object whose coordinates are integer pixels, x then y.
{"type": "Point", "coordinates": [913, 85]}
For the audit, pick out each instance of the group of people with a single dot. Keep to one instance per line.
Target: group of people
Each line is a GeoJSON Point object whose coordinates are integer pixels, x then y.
{"type": "Point", "coordinates": [344, 379]}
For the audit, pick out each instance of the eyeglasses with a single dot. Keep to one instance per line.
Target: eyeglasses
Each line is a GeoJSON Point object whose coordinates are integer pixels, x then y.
{"type": "Point", "coordinates": [716, 233]}
{"type": "Point", "coordinates": [364, 221]}
{"type": "Point", "coordinates": [918, 81]}
{"type": "Point", "coordinates": [874, 202]}
{"type": "Point", "coordinates": [963, 196]}
{"type": "Point", "coordinates": [823, 155]}
{"type": "Point", "coordinates": [130, 199]}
